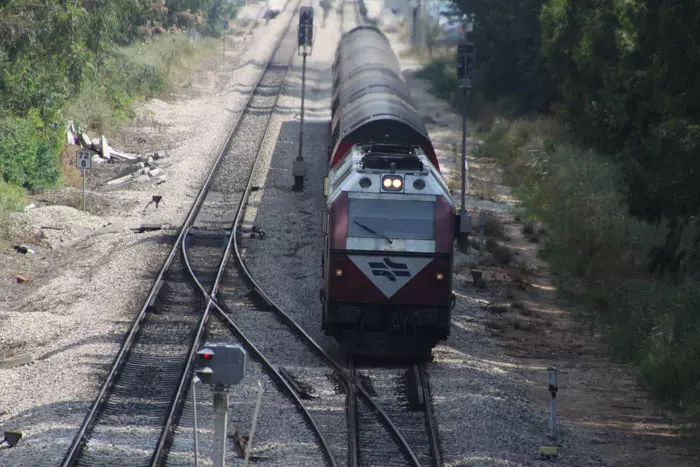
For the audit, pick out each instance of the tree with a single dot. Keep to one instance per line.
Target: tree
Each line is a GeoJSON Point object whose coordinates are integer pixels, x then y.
{"type": "Point", "coordinates": [507, 37]}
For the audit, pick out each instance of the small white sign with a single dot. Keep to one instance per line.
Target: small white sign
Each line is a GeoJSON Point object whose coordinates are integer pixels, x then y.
{"type": "Point", "coordinates": [83, 160]}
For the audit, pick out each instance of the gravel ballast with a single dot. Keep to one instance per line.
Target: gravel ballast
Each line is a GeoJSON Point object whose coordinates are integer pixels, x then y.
{"type": "Point", "coordinates": [482, 398]}
{"type": "Point", "coordinates": [88, 280]}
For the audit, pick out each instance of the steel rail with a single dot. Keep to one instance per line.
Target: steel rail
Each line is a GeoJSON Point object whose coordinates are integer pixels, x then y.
{"type": "Point", "coordinates": [278, 376]}
{"type": "Point", "coordinates": [310, 340]}
{"type": "Point", "coordinates": [211, 301]}
{"type": "Point", "coordinates": [129, 340]}
{"type": "Point", "coordinates": [222, 314]}
{"type": "Point", "coordinates": [353, 435]}
{"type": "Point", "coordinates": [430, 421]}
{"type": "Point", "coordinates": [176, 406]}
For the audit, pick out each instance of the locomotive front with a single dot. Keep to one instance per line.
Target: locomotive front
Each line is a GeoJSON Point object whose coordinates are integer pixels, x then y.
{"type": "Point", "coordinates": [388, 253]}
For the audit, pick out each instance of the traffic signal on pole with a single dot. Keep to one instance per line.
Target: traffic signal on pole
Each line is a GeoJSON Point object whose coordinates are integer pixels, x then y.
{"type": "Point", "coordinates": [220, 364]}
{"type": "Point", "coordinates": [466, 65]}
{"type": "Point", "coordinates": [306, 26]}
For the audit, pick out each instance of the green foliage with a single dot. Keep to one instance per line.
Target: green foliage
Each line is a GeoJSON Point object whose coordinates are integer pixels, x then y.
{"type": "Point", "coordinates": [29, 152]}
{"type": "Point", "coordinates": [106, 96]}
{"type": "Point", "coordinates": [600, 252]}
{"type": "Point", "coordinates": [442, 75]}
{"type": "Point", "coordinates": [626, 82]}
{"type": "Point", "coordinates": [507, 38]}
{"type": "Point", "coordinates": [58, 59]}
{"type": "Point", "coordinates": [620, 75]}
{"type": "Point", "coordinates": [11, 199]}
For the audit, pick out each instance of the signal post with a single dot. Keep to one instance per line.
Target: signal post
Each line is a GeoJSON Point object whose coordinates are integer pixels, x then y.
{"type": "Point", "coordinates": [221, 366]}
{"type": "Point", "coordinates": [304, 45]}
{"type": "Point", "coordinates": [466, 57]}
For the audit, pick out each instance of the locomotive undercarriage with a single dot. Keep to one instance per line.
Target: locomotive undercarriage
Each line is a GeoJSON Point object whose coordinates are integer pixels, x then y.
{"type": "Point", "coordinates": [387, 331]}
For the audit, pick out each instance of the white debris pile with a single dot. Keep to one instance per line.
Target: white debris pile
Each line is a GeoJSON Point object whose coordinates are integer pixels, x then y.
{"type": "Point", "coordinates": [146, 169]}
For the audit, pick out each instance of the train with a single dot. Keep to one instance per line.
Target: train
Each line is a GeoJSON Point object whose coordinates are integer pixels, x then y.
{"type": "Point", "coordinates": [390, 222]}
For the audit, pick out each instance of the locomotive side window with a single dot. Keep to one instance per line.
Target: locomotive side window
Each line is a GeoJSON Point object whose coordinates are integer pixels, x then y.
{"type": "Point", "coordinates": [391, 218]}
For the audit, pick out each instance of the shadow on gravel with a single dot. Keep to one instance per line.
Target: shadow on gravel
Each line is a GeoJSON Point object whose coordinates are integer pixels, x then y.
{"type": "Point", "coordinates": [113, 338]}
{"type": "Point", "coordinates": [287, 261]}
{"type": "Point", "coordinates": [37, 448]}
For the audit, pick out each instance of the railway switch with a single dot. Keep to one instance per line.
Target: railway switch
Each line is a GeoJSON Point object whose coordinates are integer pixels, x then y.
{"type": "Point", "coordinates": [220, 365]}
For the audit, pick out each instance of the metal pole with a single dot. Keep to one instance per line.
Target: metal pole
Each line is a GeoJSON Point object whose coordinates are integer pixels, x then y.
{"type": "Point", "coordinates": [553, 388]}
{"type": "Point", "coordinates": [299, 179]}
{"type": "Point", "coordinates": [414, 23]}
{"type": "Point", "coordinates": [84, 174]}
{"type": "Point", "coordinates": [464, 149]}
{"type": "Point", "coordinates": [221, 405]}
{"type": "Point", "coordinates": [255, 422]}
{"type": "Point", "coordinates": [303, 92]}
{"type": "Point", "coordinates": [482, 224]}
{"type": "Point", "coordinates": [194, 423]}
{"type": "Point", "coordinates": [553, 419]}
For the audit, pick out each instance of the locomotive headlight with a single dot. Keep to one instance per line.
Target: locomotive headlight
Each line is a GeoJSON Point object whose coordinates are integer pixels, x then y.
{"type": "Point", "coordinates": [392, 183]}
{"type": "Point", "coordinates": [339, 272]}
{"type": "Point", "coordinates": [440, 276]}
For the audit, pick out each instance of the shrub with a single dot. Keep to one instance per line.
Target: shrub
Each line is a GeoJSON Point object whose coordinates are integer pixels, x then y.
{"type": "Point", "coordinates": [501, 253]}
{"type": "Point", "coordinates": [601, 254]}
{"type": "Point", "coordinates": [494, 227]}
{"type": "Point", "coordinates": [11, 199]}
{"type": "Point", "coordinates": [29, 151]}
{"type": "Point", "coordinates": [140, 71]}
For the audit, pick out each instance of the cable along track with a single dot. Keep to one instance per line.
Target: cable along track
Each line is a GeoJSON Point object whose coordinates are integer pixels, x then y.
{"type": "Point", "coordinates": [133, 415]}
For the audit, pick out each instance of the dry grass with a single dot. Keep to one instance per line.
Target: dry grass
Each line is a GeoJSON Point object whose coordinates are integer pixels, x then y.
{"type": "Point", "coordinates": [72, 176]}
{"type": "Point", "coordinates": [501, 253]}
{"type": "Point", "coordinates": [494, 227]}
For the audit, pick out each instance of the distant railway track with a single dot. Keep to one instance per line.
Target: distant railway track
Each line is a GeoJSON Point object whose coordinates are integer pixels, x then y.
{"type": "Point", "coordinates": [131, 421]}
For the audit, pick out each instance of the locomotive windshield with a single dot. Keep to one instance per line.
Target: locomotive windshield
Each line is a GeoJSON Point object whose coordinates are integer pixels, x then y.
{"type": "Point", "coordinates": [386, 218]}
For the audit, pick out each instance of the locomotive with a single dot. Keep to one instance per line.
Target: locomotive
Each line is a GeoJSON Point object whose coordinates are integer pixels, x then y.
{"type": "Point", "coordinates": [390, 221]}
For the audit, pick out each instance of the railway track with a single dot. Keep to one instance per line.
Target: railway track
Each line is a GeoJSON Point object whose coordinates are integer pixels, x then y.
{"type": "Point", "coordinates": [132, 419]}
{"type": "Point", "coordinates": [149, 385]}
{"type": "Point", "coordinates": [404, 393]}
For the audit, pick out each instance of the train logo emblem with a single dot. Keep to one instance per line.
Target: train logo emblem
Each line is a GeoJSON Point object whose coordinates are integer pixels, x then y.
{"type": "Point", "coordinates": [389, 274]}
{"type": "Point", "coordinates": [389, 269]}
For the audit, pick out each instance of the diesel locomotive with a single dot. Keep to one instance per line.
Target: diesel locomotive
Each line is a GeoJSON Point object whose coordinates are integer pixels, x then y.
{"type": "Point", "coordinates": [390, 220]}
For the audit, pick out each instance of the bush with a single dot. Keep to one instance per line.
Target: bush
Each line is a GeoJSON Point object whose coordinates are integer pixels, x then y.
{"type": "Point", "coordinates": [493, 227]}
{"type": "Point", "coordinates": [29, 151]}
{"type": "Point", "coordinates": [501, 253]}
{"type": "Point", "coordinates": [11, 199]}
{"type": "Point", "coordinates": [601, 253]}
{"type": "Point", "coordinates": [140, 71]}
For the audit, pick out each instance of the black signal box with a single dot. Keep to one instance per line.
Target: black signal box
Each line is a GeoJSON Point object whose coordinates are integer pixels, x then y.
{"type": "Point", "coordinates": [306, 26]}
{"type": "Point", "coordinates": [466, 65]}
{"type": "Point", "coordinates": [220, 365]}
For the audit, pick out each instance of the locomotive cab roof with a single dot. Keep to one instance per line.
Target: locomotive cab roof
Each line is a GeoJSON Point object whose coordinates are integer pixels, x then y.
{"type": "Point", "coordinates": [391, 157]}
